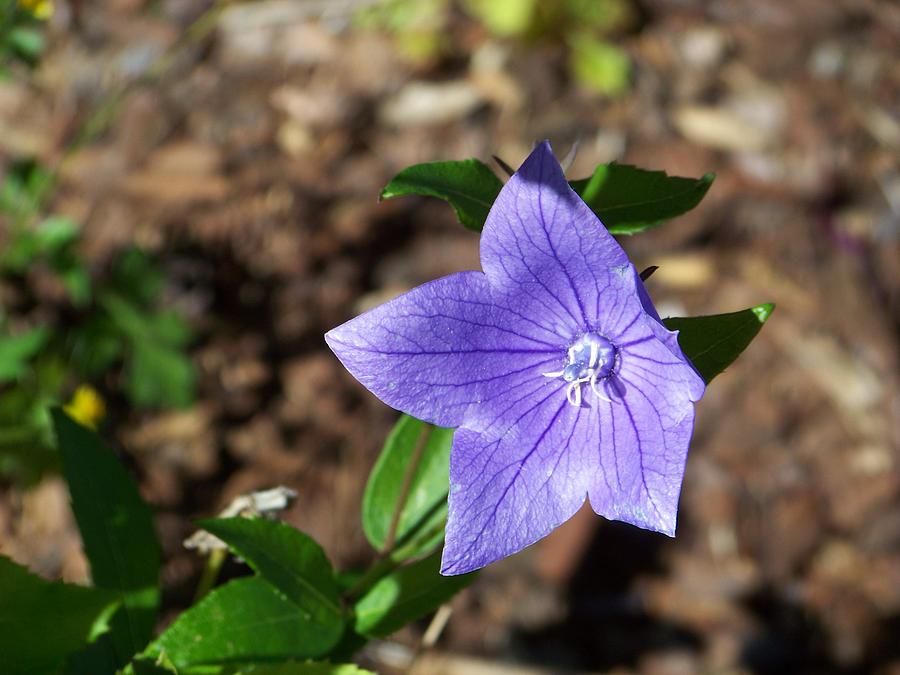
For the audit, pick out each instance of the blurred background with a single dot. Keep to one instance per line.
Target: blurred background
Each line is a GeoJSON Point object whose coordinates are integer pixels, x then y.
{"type": "Point", "coordinates": [189, 201]}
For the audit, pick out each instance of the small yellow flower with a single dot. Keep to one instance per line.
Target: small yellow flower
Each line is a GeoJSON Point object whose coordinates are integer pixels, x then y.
{"type": "Point", "coordinates": [86, 407]}
{"type": "Point", "coordinates": [39, 9]}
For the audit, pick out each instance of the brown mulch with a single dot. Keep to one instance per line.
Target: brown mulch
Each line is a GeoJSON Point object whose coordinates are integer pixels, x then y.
{"type": "Point", "coordinates": [250, 167]}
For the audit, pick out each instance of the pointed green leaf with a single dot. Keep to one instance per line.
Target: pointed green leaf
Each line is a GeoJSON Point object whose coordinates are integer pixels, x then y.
{"type": "Point", "coordinates": [117, 530]}
{"type": "Point", "coordinates": [292, 563]}
{"type": "Point", "coordinates": [468, 185]}
{"type": "Point", "coordinates": [405, 595]}
{"type": "Point", "coordinates": [41, 622]}
{"type": "Point", "coordinates": [243, 621]}
{"type": "Point", "coordinates": [625, 198]}
{"type": "Point", "coordinates": [712, 343]}
{"type": "Point", "coordinates": [628, 200]}
{"type": "Point", "coordinates": [420, 525]}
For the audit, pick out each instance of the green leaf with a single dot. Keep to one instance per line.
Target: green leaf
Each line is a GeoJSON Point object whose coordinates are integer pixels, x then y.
{"type": "Point", "coordinates": [405, 595]}
{"type": "Point", "coordinates": [506, 18]}
{"type": "Point", "coordinates": [17, 351]}
{"type": "Point", "coordinates": [28, 43]}
{"type": "Point", "coordinates": [468, 185]}
{"type": "Point", "coordinates": [291, 562]}
{"type": "Point", "coordinates": [628, 200]}
{"type": "Point", "coordinates": [160, 376]}
{"type": "Point", "coordinates": [116, 529]}
{"type": "Point", "coordinates": [149, 667]}
{"type": "Point", "coordinates": [308, 668]}
{"type": "Point", "coordinates": [712, 343]}
{"type": "Point", "coordinates": [97, 657]}
{"type": "Point", "coordinates": [420, 526]}
{"type": "Point", "coordinates": [243, 621]}
{"type": "Point", "coordinates": [599, 65]}
{"type": "Point", "coordinates": [42, 622]}
{"type": "Point", "coordinates": [158, 371]}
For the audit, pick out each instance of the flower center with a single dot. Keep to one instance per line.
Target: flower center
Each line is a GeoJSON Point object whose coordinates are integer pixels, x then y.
{"type": "Point", "coordinates": [590, 358]}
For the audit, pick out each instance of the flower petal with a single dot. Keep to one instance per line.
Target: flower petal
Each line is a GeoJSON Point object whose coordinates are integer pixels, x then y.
{"type": "Point", "coordinates": [542, 245]}
{"type": "Point", "coordinates": [644, 436]}
{"type": "Point", "coordinates": [508, 492]}
{"type": "Point", "coordinates": [441, 349]}
{"type": "Point", "coordinates": [669, 337]}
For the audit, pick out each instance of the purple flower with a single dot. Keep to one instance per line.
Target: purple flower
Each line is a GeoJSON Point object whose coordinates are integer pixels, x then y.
{"type": "Point", "coordinates": [553, 364]}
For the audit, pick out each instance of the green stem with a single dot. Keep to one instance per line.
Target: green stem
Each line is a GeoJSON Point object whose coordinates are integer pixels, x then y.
{"type": "Point", "coordinates": [414, 460]}
{"type": "Point", "coordinates": [385, 562]}
{"type": "Point", "coordinates": [210, 573]}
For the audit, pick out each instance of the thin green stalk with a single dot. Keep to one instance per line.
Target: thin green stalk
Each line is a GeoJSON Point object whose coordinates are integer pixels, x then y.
{"type": "Point", "coordinates": [413, 466]}
{"type": "Point", "coordinates": [385, 562]}
{"type": "Point", "coordinates": [210, 573]}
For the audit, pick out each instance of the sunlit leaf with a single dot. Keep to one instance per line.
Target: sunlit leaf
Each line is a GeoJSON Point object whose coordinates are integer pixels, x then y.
{"type": "Point", "coordinates": [419, 527]}
{"type": "Point", "coordinates": [598, 65]}
{"type": "Point", "coordinates": [469, 186]}
{"type": "Point", "coordinates": [243, 621]}
{"type": "Point", "coordinates": [291, 562]}
{"type": "Point", "coordinates": [712, 343]}
{"type": "Point", "coordinates": [628, 200]}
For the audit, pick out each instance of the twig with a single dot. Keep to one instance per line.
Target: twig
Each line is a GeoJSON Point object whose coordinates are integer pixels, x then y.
{"type": "Point", "coordinates": [431, 635]}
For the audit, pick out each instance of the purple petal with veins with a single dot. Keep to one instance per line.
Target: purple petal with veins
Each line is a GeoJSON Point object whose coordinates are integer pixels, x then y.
{"type": "Point", "coordinates": [555, 367]}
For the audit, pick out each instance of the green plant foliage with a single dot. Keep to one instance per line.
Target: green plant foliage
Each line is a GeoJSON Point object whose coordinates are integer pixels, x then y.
{"type": "Point", "coordinates": [24, 186]}
{"type": "Point", "coordinates": [629, 200]}
{"type": "Point", "coordinates": [420, 525]}
{"type": "Point", "coordinates": [292, 563]}
{"type": "Point", "coordinates": [116, 529]}
{"type": "Point", "coordinates": [598, 65]}
{"type": "Point", "coordinates": [159, 375]}
{"type": "Point", "coordinates": [31, 604]}
{"type": "Point", "coordinates": [417, 26]}
{"type": "Point", "coordinates": [243, 621]}
{"type": "Point", "coordinates": [712, 343]}
{"type": "Point", "coordinates": [467, 185]}
{"type": "Point", "coordinates": [158, 371]}
{"type": "Point", "coordinates": [405, 595]}
{"type": "Point", "coordinates": [26, 437]}
{"type": "Point", "coordinates": [504, 17]}
{"type": "Point", "coordinates": [21, 38]}
{"type": "Point", "coordinates": [16, 351]}
{"type": "Point", "coordinates": [626, 199]}
{"type": "Point", "coordinates": [52, 242]}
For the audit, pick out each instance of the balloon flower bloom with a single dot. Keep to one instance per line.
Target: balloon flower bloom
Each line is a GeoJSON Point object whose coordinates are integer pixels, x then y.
{"type": "Point", "coordinates": [553, 364]}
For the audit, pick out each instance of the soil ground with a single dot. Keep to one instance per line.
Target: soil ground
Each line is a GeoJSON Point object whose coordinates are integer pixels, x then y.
{"type": "Point", "coordinates": [247, 154]}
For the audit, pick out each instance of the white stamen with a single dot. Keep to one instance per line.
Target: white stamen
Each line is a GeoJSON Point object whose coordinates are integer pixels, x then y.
{"type": "Point", "coordinates": [596, 391]}
{"type": "Point", "coordinates": [574, 389]}
{"type": "Point", "coordinates": [585, 366]}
